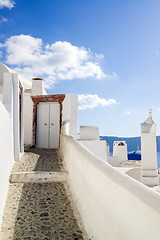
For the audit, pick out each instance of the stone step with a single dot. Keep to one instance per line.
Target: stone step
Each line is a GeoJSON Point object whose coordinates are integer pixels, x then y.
{"type": "Point", "coordinates": [38, 176]}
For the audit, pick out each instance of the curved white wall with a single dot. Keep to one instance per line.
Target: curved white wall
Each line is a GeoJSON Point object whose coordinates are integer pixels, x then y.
{"type": "Point", "coordinates": [112, 205]}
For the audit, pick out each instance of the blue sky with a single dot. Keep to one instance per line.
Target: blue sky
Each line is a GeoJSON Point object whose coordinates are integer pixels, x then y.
{"type": "Point", "coordinates": [108, 52]}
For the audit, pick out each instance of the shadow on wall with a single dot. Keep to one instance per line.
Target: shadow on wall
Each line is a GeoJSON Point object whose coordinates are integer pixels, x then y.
{"type": "Point", "coordinates": [135, 173]}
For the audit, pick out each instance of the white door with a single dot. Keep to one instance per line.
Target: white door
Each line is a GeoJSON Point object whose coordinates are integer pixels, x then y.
{"type": "Point", "coordinates": [48, 120]}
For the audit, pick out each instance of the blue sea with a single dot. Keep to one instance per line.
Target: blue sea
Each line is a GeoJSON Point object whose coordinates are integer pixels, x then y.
{"type": "Point", "coordinates": [132, 144]}
{"type": "Point", "coordinates": [158, 158]}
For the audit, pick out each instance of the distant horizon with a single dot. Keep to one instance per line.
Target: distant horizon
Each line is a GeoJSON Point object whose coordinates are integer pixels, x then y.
{"type": "Point", "coordinates": [123, 136]}
{"type": "Point", "coordinates": [118, 136]}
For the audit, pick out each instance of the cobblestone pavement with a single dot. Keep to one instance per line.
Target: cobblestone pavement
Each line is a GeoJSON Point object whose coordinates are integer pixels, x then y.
{"type": "Point", "coordinates": [36, 211]}
{"type": "Point", "coordinates": [39, 160]}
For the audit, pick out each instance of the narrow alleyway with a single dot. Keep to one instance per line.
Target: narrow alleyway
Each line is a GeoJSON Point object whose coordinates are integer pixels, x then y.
{"type": "Point", "coordinates": [40, 209]}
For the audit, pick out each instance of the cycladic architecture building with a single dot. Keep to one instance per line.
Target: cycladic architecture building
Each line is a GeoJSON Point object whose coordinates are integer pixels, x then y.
{"type": "Point", "coordinates": [111, 204]}
{"type": "Point", "coordinates": [45, 114]}
{"type": "Point", "coordinates": [149, 152]}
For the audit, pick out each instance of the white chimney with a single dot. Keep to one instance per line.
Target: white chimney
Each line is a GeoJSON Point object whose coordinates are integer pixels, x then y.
{"type": "Point", "coordinates": [149, 152]}
{"type": "Point", "coordinates": [37, 87]}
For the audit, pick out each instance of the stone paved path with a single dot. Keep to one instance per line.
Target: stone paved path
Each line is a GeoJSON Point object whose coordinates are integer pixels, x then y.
{"type": "Point", "coordinates": [39, 160]}
{"type": "Point", "coordinates": [36, 211]}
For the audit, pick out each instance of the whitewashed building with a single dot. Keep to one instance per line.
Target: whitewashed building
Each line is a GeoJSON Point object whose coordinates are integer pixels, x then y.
{"type": "Point", "coordinates": [112, 205]}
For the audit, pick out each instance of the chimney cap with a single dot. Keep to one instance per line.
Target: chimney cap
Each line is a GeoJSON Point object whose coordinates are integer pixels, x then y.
{"type": "Point", "coordinates": [37, 79]}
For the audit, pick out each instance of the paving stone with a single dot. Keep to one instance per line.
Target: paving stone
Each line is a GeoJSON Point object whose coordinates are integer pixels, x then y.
{"type": "Point", "coordinates": [39, 211]}
{"type": "Point", "coordinates": [39, 160]}
{"type": "Point", "coordinates": [30, 221]}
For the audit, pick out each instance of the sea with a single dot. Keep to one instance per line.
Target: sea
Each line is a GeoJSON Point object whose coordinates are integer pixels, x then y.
{"type": "Point", "coordinates": [132, 144]}
{"type": "Point", "coordinates": [158, 159]}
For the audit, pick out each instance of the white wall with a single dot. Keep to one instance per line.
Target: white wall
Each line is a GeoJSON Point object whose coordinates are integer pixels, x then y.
{"type": "Point", "coordinates": [6, 154]}
{"type": "Point", "coordinates": [4, 69]}
{"type": "Point", "coordinates": [114, 161]}
{"type": "Point", "coordinates": [112, 205]}
{"type": "Point", "coordinates": [70, 115]}
{"type": "Point", "coordinates": [89, 132]}
{"type": "Point", "coordinates": [1, 92]}
{"type": "Point", "coordinates": [28, 119]}
{"type": "Point", "coordinates": [98, 147]}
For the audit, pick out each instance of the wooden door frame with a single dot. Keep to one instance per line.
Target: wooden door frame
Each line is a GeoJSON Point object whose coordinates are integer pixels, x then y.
{"type": "Point", "coordinates": [59, 98]}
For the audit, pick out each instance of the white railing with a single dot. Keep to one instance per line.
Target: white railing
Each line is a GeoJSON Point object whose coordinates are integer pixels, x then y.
{"type": "Point", "coordinates": [112, 205]}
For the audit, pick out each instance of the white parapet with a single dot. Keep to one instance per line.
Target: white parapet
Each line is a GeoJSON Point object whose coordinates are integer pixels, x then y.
{"type": "Point", "coordinates": [98, 147]}
{"type": "Point", "coordinates": [89, 132]}
{"type": "Point", "coordinates": [120, 150]}
{"type": "Point", "coordinates": [89, 137]}
{"type": "Point", "coordinates": [149, 152]}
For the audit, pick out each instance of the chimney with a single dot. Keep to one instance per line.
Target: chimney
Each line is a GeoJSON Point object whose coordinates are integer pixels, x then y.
{"type": "Point", "coordinates": [37, 87]}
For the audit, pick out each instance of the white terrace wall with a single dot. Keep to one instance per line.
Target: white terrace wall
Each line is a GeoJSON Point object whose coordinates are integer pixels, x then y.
{"type": "Point", "coordinates": [6, 154]}
{"type": "Point", "coordinates": [112, 205]}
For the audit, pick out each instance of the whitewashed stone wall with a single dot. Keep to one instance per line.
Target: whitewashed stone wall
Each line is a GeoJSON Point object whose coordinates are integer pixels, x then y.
{"type": "Point", "coordinates": [112, 205]}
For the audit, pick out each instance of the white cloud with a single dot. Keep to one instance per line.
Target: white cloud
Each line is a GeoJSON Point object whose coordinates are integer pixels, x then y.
{"type": "Point", "coordinates": [100, 55]}
{"type": "Point", "coordinates": [89, 101]}
{"type": "Point", "coordinates": [7, 3]}
{"type": "Point", "coordinates": [58, 61]}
